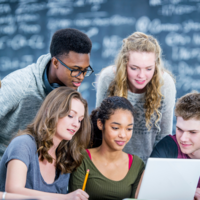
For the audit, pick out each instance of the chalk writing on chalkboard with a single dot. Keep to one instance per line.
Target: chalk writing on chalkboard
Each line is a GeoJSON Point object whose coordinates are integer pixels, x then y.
{"type": "Point", "coordinates": [26, 27]}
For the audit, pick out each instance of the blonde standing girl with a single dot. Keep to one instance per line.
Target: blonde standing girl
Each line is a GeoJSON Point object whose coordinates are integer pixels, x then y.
{"type": "Point", "coordinates": [139, 76]}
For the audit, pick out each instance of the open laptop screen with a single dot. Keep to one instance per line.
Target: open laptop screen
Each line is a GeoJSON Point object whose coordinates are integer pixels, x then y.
{"type": "Point", "coordinates": [170, 179]}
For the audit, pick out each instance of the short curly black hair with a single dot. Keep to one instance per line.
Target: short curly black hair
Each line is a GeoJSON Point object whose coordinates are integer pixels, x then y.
{"type": "Point", "coordinates": [103, 112]}
{"type": "Point", "coordinates": [69, 39]}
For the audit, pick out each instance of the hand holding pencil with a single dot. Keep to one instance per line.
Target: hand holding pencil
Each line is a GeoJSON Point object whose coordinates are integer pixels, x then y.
{"type": "Point", "coordinates": [85, 180]}
{"type": "Point", "coordinates": [80, 194]}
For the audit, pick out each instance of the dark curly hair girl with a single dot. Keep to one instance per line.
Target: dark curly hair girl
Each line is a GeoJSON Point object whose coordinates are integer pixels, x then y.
{"type": "Point", "coordinates": [103, 112]}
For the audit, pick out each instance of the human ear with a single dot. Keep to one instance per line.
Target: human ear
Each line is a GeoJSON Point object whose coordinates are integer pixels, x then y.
{"type": "Point", "coordinates": [54, 62]}
{"type": "Point", "coordinates": [99, 124]}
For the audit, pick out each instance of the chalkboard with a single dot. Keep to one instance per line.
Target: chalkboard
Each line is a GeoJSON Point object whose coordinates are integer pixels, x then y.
{"type": "Point", "coordinates": [26, 28]}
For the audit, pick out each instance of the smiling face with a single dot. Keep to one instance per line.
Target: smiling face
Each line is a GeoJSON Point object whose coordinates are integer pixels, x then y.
{"type": "Point", "coordinates": [140, 70]}
{"type": "Point", "coordinates": [70, 124]}
{"type": "Point", "coordinates": [117, 130]}
{"type": "Point", "coordinates": [74, 61]}
{"type": "Point", "coordinates": [188, 136]}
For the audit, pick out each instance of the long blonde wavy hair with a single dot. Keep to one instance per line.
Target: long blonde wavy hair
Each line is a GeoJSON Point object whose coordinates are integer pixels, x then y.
{"type": "Point", "coordinates": [140, 42]}
{"type": "Point", "coordinates": [57, 105]}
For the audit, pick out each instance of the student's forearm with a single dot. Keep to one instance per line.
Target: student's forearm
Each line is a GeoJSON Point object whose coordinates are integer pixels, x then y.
{"type": "Point", "coordinates": [35, 193]}
{"type": "Point", "coordinates": [13, 196]}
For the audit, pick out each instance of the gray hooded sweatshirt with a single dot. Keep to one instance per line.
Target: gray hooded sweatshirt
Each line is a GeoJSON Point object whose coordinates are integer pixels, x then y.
{"type": "Point", "coordinates": [21, 95]}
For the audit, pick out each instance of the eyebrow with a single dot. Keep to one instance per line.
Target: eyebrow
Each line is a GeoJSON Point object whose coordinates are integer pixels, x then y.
{"type": "Point", "coordinates": [73, 110]}
{"type": "Point", "coordinates": [76, 113]}
{"type": "Point", "coordinates": [145, 67]}
{"type": "Point", "coordinates": [71, 66]}
{"type": "Point", "coordinates": [120, 124]}
{"type": "Point", "coordinates": [80, 67]}
{"type": "Point", "coordinates": [187, 130]}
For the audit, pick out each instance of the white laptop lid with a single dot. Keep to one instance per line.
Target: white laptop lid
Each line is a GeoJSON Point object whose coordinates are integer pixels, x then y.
{"type": "Point", "coordinates": [170, 179]}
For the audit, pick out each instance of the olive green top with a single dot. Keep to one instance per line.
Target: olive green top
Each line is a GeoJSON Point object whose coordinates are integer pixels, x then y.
{"type": "Point", "coordinates": [100, 187]}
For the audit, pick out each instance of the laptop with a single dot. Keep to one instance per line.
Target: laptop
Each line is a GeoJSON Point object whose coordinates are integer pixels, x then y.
{"type": "Point", "coordinates": [170, 179]}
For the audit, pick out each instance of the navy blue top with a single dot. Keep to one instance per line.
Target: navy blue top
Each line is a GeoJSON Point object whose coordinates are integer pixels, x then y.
{"type": "Point", "coordinates": [24, 148]}
{"type": "Point", "coordinates": [166, 148]}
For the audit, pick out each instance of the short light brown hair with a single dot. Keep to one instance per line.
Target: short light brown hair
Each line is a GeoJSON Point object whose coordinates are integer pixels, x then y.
{"type": "Point", "coordinates": [57, 105]}
{"type": "Point", "coordinates": [188, 106]}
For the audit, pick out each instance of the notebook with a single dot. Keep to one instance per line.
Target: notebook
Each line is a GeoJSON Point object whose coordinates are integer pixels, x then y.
{"type": "Point", "coordinates": [170, 179]}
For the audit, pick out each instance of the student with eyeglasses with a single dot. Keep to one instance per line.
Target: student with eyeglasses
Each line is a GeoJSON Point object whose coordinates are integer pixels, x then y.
{"type": "Point", "coordinates": [24, 90]}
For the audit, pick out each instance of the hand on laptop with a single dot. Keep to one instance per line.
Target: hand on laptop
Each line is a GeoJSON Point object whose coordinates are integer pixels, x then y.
{"type": "Point", "coordinates": [197, 194]}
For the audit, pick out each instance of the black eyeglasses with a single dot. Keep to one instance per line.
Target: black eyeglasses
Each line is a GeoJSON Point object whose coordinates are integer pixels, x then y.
{"type": "Point", "coordinates": [77, 72]}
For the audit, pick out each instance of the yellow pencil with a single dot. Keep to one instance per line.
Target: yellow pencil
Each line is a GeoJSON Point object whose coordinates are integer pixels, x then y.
{"type": "Point", "coordinates": [85, 180]}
